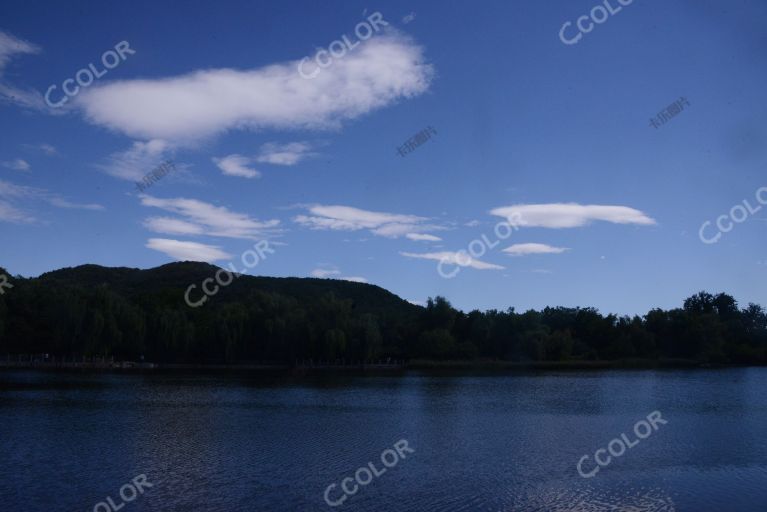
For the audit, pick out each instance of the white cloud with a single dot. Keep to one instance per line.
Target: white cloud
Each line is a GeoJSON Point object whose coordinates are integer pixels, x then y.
{"type": "Point", "coordinates": [569, 215]}
{"type": "Point", "coordinates": [171, 226]}
{"type": "Point", "coordinates": [533, 248]}
{"type": "Point", "coordinates": [460, 258]}
{"type": "Point", "coordinates": [63, 203]}
{"type": "Point", "coordinates": [185, 108]}
{"type": "Point", "coordinates": [205, 218]}
{"type": "Point", "coordinates": [284, 154]}
{"type": "Point", "coordinates": [334, 273]}
{"type": "Point", "coordinates": [134, 163]}
{"type": "Point", "coordinates": [422, 237]}
{"type": "Point", "coordinates": [347, 218]}
{"type": "Point", "coordinates": [187, 251]}
{"type": "Point", "coordinates": [395, 230]}
{"type": "Point", "coordinates": [323, 273]}
{"type": "Point", "coordinates": [355, 279]}
{"type": "Point", "coordinates": [236, 165]}
{"type": "Point", "coordinates": [17, 165]}
{"type": "Point", "coordinates": [48, 149]}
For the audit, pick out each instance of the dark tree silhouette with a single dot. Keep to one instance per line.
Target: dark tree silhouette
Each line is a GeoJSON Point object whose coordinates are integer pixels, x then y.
{"type": "Point", "coordinates": [132, 313]}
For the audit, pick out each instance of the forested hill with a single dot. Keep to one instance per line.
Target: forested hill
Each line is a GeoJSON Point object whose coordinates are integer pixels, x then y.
{"type": "Point", "coordinates": [175, 278]}
{"type": "Point", "coordinates": [129, 313]}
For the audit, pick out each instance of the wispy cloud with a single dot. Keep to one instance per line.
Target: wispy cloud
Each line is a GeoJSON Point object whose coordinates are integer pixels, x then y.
{"type": "Point", "coordinates": [570, 215]}
{"type": "Point", "coordinates": [171, 226]}
{"type": "Point", "coordinates": [17, 165]}
{"type": "Point", "coordinates": [10, 47]}
{"type": "Point", "coordinates": [9, 213]}
{"type": "Point", "coordinates": [199, 217]}
{"type": "Point", "coordinates": [63, 203]}
{"type": "Point", "coordinates": [461, 259]}
{"type": "Point", "coordinates": [48, 149]}
{"type": "Point", "coordinates": [348, 218]}
{"type": "Point", "coordinates": [284, 154]}
{"type": "Point", "coordinates": [187, 251]}
{"type": "Point", "coordinates": [11, 195]}
{"type": "Point", "coordinates": [355, 279]}
{"type": "Point", "coordinates": [325, 273]}
{"type": "Point", "coordinates": [8, 190]}
{"type": "Point", "coordinates": [134, 163]}
{"type": "Point", "coordinates": [236, 165]}
{"type": "Point", "coordinates": [380, 71]}
{"type": "Point", "coordinates": [423, 237]}
{"type": "Point", "coordinates": [533, 248]}
{"type": "Point", "coordinates": [334, 273]}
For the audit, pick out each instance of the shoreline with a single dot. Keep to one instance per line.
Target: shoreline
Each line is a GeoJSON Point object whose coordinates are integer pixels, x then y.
{"type": "Point", "coordinates": [398, 369]}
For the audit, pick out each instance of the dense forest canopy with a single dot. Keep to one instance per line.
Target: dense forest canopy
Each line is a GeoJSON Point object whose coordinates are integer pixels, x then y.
{"type": "Point", "coordinates": [130, 313]}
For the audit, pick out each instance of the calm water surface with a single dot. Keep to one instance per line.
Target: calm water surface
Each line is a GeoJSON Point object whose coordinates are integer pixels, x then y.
{"type": "Point", "coordinates": [487, 443]}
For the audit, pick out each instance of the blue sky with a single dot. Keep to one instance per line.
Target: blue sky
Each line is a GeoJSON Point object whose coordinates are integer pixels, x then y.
{"type": "Point", "coordinates": [610, 207]}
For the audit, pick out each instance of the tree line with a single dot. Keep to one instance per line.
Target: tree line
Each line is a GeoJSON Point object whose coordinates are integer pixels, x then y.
{"type": "Point", "coordinates": [132, 314]}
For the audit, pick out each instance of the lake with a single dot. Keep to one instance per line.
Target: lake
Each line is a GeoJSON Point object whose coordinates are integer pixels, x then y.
{"type": "Point", "coordinates": [495, 442]}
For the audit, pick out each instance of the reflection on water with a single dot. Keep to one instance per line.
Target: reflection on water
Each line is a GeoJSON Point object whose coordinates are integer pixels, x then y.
{"type": "Point", "coordinates": [490, 443]}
